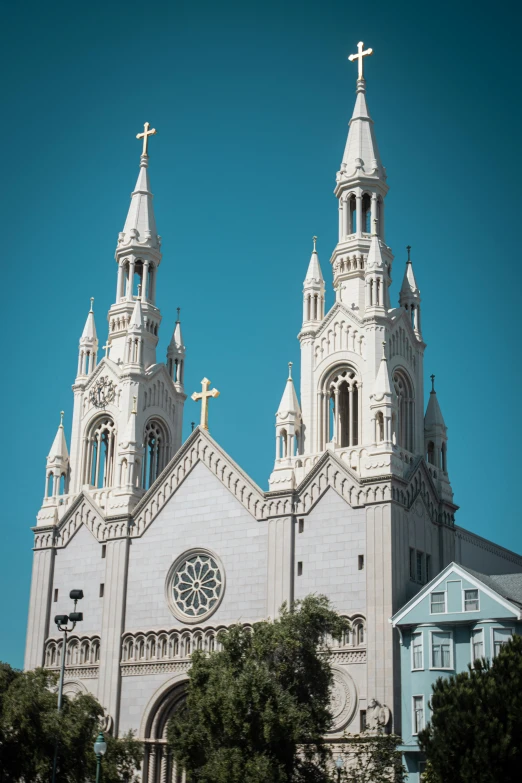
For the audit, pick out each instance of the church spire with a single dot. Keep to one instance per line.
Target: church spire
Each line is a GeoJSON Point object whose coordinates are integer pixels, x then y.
{"type": "Point", "coordinates": [288, 436]}
{"type": "Point", "coordinates": [57, 469]}
{"type": "Point", "coordinates": [176, 355]}
{"type": "Point", "coordinates": [88, 350]}
{"type": "Point", "coordinates": [360, 189]}
{"type": "Point", "coordinates": [313, 289]}
{"type": "Point", "coordinates": [435, 432]}
{"type": "Point", "coordinates": [409, 297]}
{"type": "Point", "coordinates": [138, 256]}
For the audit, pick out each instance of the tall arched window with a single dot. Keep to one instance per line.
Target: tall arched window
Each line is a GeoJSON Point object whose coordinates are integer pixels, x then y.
{"type": "Point", "coordinates": [101, 446]}
{"type": "Point", "coordinates": [352, 204]}
{"type": "Point", "coordinates": [340, 420]}
{"type": "Point", "coordinates": [406, 405]}
{"type": "Point", "coordinates": [431, 453]}
{"type": "Point", "coordinates": [156, 451]}
{"type": "Point", "coordinates": [367, 213]}
{"type": "Point", "coordinates": [379, 419]}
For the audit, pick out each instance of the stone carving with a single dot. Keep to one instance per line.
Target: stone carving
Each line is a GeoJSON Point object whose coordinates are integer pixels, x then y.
{"type": "Point", "coordinates": [377, 717]}
{"type": "Point", "coordinates": [343, 699]}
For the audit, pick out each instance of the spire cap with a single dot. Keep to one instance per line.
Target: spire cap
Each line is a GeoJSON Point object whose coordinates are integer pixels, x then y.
{"type": "Point", "coordinates": [59, 452]}
{"type": "Point", "coordinates": [382, 386]}
{"type": "Point", "coordinates": [409, 284]}
{"type": "Point", "coordinates": [89, 330]}
{"type": "Point", "coordinates": [140, 225]}
{"type": "Point", "coordinates": [289, 403]}
{"type": "Point", "coordinates": [314, 267]}
{"type": "Point", "coordinates": [375, 258]}
{"type": "Point", "coordinates": [434, 418]}
{"type": "Point", "coordinates": [136, 321]}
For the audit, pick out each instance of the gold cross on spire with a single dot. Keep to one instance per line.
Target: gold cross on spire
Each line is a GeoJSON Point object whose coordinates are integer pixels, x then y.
{"type": "Point", "coordinates": [145, 136]}
{"type": "Point", "coordinates": [359, 56]}
{"type": "Point", "coordinates": [204, 396]}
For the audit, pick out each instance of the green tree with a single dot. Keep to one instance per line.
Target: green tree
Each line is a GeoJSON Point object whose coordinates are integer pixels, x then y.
{"type": "Point", "coordinates": [475, 735]}
{"type": "Point", "coordinates": [258, 709]}
{"type": "Point", "coordinates": [373, 758]}
{"type": "Point", "coordinates": [30, 725]}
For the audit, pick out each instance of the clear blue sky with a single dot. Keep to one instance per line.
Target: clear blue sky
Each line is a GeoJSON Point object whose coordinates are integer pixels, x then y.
{"type": "Point", "coordinates": [251, 101]}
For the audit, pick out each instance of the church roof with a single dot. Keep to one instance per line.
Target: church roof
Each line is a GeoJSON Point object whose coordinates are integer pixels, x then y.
{"type": "Point", "coordinates": [140, 225]}
{"type": "Point", "coordinates": [361, 152]}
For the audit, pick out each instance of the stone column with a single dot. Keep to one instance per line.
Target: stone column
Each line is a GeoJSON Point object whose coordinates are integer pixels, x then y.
{"type": "Point", "coordinates": [280, 563]}
{"type": "Point", "coordinates": [39, 604]}
{"type": "Point", "coordinates": [358, 202]}
{"type": "Point", "coordinates": [113, 618]}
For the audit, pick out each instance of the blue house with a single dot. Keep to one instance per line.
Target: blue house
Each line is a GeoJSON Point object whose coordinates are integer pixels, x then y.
{"type": "Point", "coordinates": [459, 616]}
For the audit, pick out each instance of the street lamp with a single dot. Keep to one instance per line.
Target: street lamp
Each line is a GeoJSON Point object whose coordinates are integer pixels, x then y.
{"type": "Point", "coordinates": [61, 621]}
{"type": "Point", "coordinates": [100, 748]}
{"type": "Point", "coordinates": [339, 763]}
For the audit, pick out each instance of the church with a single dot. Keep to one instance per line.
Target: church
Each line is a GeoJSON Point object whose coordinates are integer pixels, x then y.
{"type": "Point", "coordinates": [172, 541]}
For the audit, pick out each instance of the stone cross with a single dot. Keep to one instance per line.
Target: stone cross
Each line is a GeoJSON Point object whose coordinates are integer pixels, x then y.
{"type": "Point", "coordinates": [432, 378]}
{"type": "Point", "coordinates": [359, 56]}
{"type": "Point", "coordinates": [106, 348]}
{"type": "Point", "coordinates": [204, 396]}
{"type": "Point", "coordinates": [145, 136]}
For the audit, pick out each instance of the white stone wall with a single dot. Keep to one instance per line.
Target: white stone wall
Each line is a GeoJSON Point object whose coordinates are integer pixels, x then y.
{"type": "Point", "coordinates": [333, 538]}
{"type": "Point", "coordinates": [136, 693]}
{"type": "Point", "coordinates": [202, 513]}
{"type": "Point", "coordinates": [79, 566]}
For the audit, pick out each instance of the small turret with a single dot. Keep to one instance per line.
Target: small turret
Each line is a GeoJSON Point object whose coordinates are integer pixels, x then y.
{"type": "Point", "coordinates": [57, 469]}
{"type": "Point", "coordinates": [313, 290]}
{"type": "Point", "coordinates": [435, 432]}
{"type": "Point", "coordinates": [383, 405]}
{"type": "Point", "coordinates": [176, 356]}
{"type": "Point", "coordinates": [135, 336]}
{"type": "Point", "coordinates": [88, 350]}
{"type": "Point", "coordinates": [288, 436]}
{"type": "Point", "coordinates": [376, 277]}
{"type": "Point", "coordinates": [409, 297]}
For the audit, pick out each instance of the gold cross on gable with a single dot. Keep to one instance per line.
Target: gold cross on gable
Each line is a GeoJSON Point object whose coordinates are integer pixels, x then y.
{"type": "Point", "coordinates": [145, 136]}
{"type": "Point", "coordinates": [204, 396]}
{"type": "Point", "coordinates": [359, 56]}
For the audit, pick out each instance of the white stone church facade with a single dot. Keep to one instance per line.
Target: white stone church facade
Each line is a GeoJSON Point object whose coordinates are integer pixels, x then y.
{"type": "Point", "coordinates": [173, 541]}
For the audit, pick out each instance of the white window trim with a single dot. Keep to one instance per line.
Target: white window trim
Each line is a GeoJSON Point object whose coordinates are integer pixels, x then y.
{"type": "Point", "coordinates": [472, 656]}
{"type": "Point", "coordinates": [498, 628]}
{"type": "Point", "coordinates": [449, 668]}
{"type": "Point", "coordinates": [421, 668]}
{"type": "Point", "coordinates": [444, 592]}
{"type": "Point", "coordinates": [413, 697]}
{"type": "Point", "coordinates": [464, 591]}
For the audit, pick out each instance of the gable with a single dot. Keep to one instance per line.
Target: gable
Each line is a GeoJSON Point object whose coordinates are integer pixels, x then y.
{"type": "Point", "coordinates": [340, 331]}
{"type": "Point", "coordinates": [452, 582]}
{"type": "Point", "coordinates": [84, 511]}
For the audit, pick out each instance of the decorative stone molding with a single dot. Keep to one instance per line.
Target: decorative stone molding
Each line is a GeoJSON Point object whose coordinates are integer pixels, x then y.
{"type": "Point", "coordinates": [351, 656]}
{"type": "Point", "coordinates": [343, 699]}
{"type": "Point", "coordinates": [133, 669]}
{"type": "Point", "coordinates": [195, 585]}
{"type": "Point", "coordinates": [81, 651]}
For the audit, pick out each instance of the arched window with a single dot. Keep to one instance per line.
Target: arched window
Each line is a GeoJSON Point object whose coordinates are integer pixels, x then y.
{"type": "Point", "coordinates": [49, 486]}
{"type": "Point", "coordinates": [443, 456]}
{"type": "Point", "coordinates": [101, 446]}
{"type": "Point", "coordinates": [156, 451]}
{"type": "Point", "coordinates": [431, 453]}
{"type": "Point", "coordinates": [341, 419]}
{"type": "Point", "coordinates": [380, 426]}
{"type": "Point", "coordinates": [367, 213]}
{"type": "Point", "coordinates": [353, 214]}
{"type": "Point", "coordinates": [406, 405]}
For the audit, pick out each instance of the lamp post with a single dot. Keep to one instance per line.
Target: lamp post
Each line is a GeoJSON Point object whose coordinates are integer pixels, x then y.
{"type": "Point", "coordinates": [339, 763]}
{"type": "Point", "coordinates": [62, 621]}
{"type": "Point", "coordinates": [100, 748]}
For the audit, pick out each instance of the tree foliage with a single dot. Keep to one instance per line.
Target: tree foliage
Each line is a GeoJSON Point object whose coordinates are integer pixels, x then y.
{"type": "Point", "coordinates": [30, 725]}
{"type": "Point", "coordinates": [475, 735]}
{"type": "Point", "coordinates": [373, 758]}
{"type": "Point", "coordinates": [258, 709]}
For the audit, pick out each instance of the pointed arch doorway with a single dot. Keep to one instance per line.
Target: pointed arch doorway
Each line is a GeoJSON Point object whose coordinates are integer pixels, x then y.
{"type": "Point", "coordinates": [158, 764]}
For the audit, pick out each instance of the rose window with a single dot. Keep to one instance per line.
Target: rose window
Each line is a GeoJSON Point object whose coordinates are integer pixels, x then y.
{"type": "Point", "coordinates": [196, 585]}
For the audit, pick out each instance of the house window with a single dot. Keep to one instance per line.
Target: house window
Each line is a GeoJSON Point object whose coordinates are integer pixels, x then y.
{"type": "Point", "coordinates": [420, 556]}
{"type": "Point", "coordinates": [417, 652]}
{"type": "Point", "coordinates": [477, 644]}
{"type": "Point", "coordinates": [418, 714]}
{"type": "Point", "coordinates": [501, 636]}
{"type": "Point", "coordinates": [441, 657]}
{"type": "Point", "coordinates": [412, 563]}
{"type": "Point", "coordinates": [438, 603]}
{"type": "Point", "coordinates": [471, 600]}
